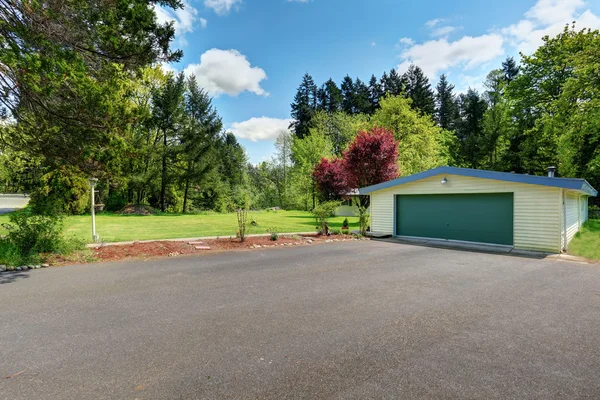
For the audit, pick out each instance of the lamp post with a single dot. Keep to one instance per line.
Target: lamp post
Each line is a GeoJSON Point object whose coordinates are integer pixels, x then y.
{"type": "Point", "coordinates": [93, 182]}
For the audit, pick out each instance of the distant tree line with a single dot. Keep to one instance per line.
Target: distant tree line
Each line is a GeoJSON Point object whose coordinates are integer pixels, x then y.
{"type": "Point", "coordinates": [542, 112]}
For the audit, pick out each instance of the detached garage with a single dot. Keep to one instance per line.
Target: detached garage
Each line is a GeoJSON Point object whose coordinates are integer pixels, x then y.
{"type": "Point", "coordinates": [522, 211]}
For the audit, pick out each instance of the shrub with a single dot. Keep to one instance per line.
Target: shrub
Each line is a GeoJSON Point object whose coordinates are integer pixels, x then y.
{"type": "Point", "coordinates": [274, 234]}
{"type": "Point", "coordinates": [345, 224]}
{"type": "Point", "coordinates": [30, 235]}
{"type": "Point", "coordinates": [322, 213]}
{"type": "Point", "coordinates": [115, 201]}
{"type": "Point", "coordinates": [345, 231]}
{"type": "Point", "coordinates": [336, 231]}
{"type": "Point", "coordinates": [242, 220]}
{"type": "Point", "coordinates": [34, 234]}
{"type": "Point", "coordinates": [64, 190]}
{"type": "Point", "coordinates": [364, 220]}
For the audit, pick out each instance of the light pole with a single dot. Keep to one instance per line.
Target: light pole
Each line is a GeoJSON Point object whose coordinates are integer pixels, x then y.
{"type": "Point", "coordinates": [93, 182]}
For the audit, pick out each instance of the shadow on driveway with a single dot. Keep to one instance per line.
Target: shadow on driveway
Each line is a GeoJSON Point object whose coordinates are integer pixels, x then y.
{"type": "Point", "coordinates": [473, 248]}
{"type": "Point", "coordinates": [10, 277]}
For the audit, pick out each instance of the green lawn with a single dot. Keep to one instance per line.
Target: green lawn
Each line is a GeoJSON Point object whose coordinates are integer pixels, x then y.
{"type": "Point", "coordinates": [117, 228]}
{"type": "Point", "coordinates": [586, 242]}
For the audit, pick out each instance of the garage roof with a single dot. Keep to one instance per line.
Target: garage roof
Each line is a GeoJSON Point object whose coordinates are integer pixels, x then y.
{"type": "Point", "coordinates": [566, 183]}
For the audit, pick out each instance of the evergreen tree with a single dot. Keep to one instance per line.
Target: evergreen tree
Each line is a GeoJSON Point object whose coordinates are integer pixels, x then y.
{"type": "Point", "coordinates": [361, 101]}
{"type": "Point", "coordinates": [199, 137]}
{"type": "Point", "coordinates": [446, 112]}
{"type": "Point", "coordinates": [469, 129]}
{"type": "Point", "coordinates": [392, 84]}
{"type": "Point", "coordinates": [375, 93]}
{"type": "Point", "coordinates": [329, 97]}
{"type": "Point", "coordinates": [510, 69]}
{"type": "Point", "coordinates": [304, 106]}
{"type": "Point", "coordinates": [168, 112]}
{"type": "Point", "coordinates": [348, 95]}
{"type": "Point", "coordinates": [419, 90]}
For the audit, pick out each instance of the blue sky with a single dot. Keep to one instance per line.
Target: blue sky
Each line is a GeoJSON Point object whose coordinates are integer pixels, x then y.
{"type": "Point", "coordinates": [251, 54]}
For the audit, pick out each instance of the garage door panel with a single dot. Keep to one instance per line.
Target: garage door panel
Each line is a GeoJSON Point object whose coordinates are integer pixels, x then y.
{"type": "Point", "coordinates": [485, 218]}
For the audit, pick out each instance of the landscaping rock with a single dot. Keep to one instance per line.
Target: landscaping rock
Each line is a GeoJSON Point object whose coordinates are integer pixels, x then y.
{"type": "Point", "coordinates": [202, 247]}
{"type": "Point", "coordinates": [196, 243]}
{"type": "Point", "coordinates": [309, 241]}
{"type": "Point", "coordinates": [18, 269]}
{"type": "Point", "coordinates": [24, 267]}
{"type": "Point", "coordinates": [2, 268]}
{"type": "Point", "coordinates": [10, 268]}
{"type": "Point", "coordinates": [45, 265]}
{"type": "Point", "coordinates": [38, 267]}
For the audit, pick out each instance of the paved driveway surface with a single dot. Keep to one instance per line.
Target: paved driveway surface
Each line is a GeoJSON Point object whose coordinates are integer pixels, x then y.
{"type": "Point", "coordinates": [358, 320]}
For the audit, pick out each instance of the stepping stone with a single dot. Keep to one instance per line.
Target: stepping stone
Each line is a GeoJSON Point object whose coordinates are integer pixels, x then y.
{"type": "Point", "coordinates": [196, 243]}
{"type": "Point", "coordinates": [202, 247]}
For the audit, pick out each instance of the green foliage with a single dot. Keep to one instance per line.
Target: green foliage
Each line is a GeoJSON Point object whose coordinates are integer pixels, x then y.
{"type": "Point", "coordinates": [242, 221]}
{"type": "Point", "coordinates": [30, 235]}
{"type": "Point", "coordinates": [274, 234]}
{"type": "Point", "coordinates": [345, 223]}
{"type": "Point", "coordinates": [115, 201]}
{"type": "Point", "coordinates": [323, 212]}
{"type": "Point", "coordinates": [422, 144]}
{"type": "Point", "coordinates": [364, 220]}
{"type": "Point", "coordinates": [336, 231]}
{"type": "Point", "coordinates": [64, 190]}
{"type": "Point", "coordinates": [345, 231]}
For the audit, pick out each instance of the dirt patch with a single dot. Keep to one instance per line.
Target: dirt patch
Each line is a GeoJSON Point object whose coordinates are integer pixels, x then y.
{"type": "Point", "coordinates": [132, 209]}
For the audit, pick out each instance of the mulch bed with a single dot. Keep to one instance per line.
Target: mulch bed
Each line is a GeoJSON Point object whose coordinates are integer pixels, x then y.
{"type": "Point", "coordinates": [174, 249]}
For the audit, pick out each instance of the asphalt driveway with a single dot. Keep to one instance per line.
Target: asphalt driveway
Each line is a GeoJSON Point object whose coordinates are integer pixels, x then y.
{"type": "Point", "coordinates": [358, 320]}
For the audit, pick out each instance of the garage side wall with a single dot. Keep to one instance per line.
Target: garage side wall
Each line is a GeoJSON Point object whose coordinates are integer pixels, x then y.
{"type": "Point", "coordinates": [576, 206]}
{"type": "Point", "coordinates": [537, 209]}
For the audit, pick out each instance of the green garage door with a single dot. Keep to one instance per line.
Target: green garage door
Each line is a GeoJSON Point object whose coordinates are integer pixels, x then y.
{"type": "Point", "coordinates": [485, 218]}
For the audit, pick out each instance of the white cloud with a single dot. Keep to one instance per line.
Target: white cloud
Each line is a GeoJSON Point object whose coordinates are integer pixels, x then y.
{"type": "Point", "coordinates": [406, 41]}
{"type": "Point", "coordinates": [221, 7]}
{"type": "Point", "coordinates": [443, 31]}
{"type": "Point", "coordinates": [227, 71]}
{"type": "Point", "coordinates": [183, 19]}
{"type": "Point", "coordinates": [203, 22]}
{"type": "Point", "coordinates": [431, 23]}
{"type": "Point", "coordinates": [437, 56]}
{"type": "Point", "coordinates": [263, 128]}
{"type": "Point", "coordinates": [548, 18]}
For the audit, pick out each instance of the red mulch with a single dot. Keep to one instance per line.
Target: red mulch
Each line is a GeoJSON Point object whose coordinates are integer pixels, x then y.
{"type": "Point", "coordinates": [173, 249]}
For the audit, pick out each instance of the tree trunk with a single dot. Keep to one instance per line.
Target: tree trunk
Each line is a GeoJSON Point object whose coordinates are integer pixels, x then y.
{"type": "Point", "coordinates": [163, 183]}
{"type": "Point", "coordinates": [187, 187]}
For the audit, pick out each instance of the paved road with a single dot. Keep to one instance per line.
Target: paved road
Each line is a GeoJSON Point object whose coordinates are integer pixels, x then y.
{"type": "Point", "coordinates": [359, 320]}
{"type": "Point", "coordinates": [10, 203]}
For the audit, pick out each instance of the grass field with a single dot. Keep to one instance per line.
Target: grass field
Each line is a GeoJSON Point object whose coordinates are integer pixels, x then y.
{"type": "Point", "coordinates": [119, 228]}
{"type": "Point", "coordinates": [586, 242]}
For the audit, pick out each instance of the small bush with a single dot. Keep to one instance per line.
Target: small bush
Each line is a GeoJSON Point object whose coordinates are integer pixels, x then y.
{"type": "Point", "coordinates": [34, 234]}
{"type": "Point", "coordinates": [274, 234]}
{"type": "Point", "coordinates": [31, 235]}
{"type": "Point", "coordinates": [322, 213]}
{"type": "Point", "coordinates": [115, 201]}
{"type": "Point", "coordinates": [242, 220]}
{"type": "Point", "coordinates": [345, 231]}
{"type": "Point", "coordinates": [336, 231]}
{"type": "Point", "coordinates": [345, 224]}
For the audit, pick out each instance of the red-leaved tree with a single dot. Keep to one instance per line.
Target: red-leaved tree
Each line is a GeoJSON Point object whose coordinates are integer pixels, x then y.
{"type": "Point", "coordinates": [330, 177]}
{"type": "Point", "coordinates": [371, 158]}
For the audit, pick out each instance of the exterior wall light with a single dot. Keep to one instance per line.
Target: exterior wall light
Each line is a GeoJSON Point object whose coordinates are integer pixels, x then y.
{"type": "Point", "coordinates": [444, 181]}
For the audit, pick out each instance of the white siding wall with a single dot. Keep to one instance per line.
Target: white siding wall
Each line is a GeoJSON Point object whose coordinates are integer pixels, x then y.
{"type": "Point", "coordinates": [537, 209]}
{"type": "Point", "coordinates": [576, 207]}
